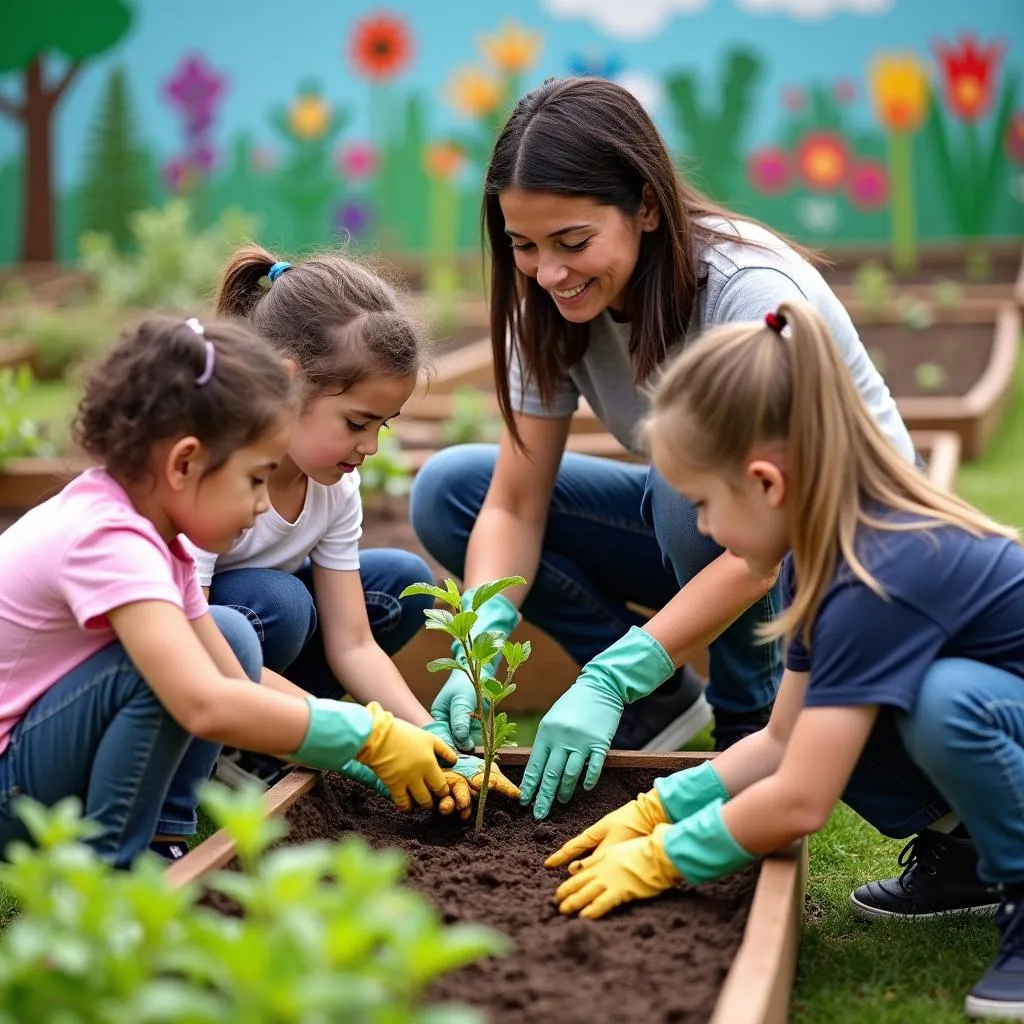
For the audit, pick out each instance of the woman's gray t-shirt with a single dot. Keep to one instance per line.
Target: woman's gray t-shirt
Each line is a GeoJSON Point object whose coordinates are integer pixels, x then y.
{"type": "Point", "coordinates": [744, 282]}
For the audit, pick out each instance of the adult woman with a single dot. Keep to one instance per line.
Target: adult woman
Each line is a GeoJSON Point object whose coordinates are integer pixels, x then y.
{"type": "Point", "coordinates": [604, 262]}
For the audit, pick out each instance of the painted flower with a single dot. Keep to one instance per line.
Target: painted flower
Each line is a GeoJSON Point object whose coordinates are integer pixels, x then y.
{"type": "Point", "coordinates": [845, 90]}
{"type": "Point", "coordinates": [868, 187]}
{"type": "Point", "coordinates": [821, 158]}
{"type": "Point", "coordinates": [594, 64]}
{"type": "Point", "coordinates": [899, 90]}
{"type": "Point", "coordinates": [381, 46]}
{"type": "Point", "coordinates": [195, 88]}
{"type": "Point", "coordinates": [794, 100]}
{"type": "Point", "coordinates": [443, 159]}
{"type": "Point", "coordinates": [358, 160]}
{"type": "Point", "coordinates": [474, 92]}
{"type": "Point", "coordinates": [967, 72]}
{"type": "Point", "coordinates": [352, 218]}
{"type": "Point", "coordinates": [309, 116]}
{"type": "Point", "coordinates": [1015, 138]}
{"type": "Point", "coordinates": [513, 49]}
{"type": "Point", "coordinates": [181, 173]}
{"type": "Point", "coordinates": [769, 170]}
{"type": "Point", "coordinates": [263, 160]}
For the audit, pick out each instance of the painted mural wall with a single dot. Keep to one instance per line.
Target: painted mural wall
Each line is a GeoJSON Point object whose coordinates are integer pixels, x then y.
{"type": "Point", "coordinates": [837, 121]}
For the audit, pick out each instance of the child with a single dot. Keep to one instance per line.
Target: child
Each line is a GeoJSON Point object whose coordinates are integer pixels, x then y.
{"type": "Point", "coordinates": [903, 692]}
{"type": "Point", "coordinates": [110, 660]}
{"type": "Point", "coordinates": [326, 613]}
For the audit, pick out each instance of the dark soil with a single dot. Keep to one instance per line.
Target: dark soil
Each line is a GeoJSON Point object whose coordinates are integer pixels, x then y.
{"type": "Point", "coordinates": [659, 961]}
{"type": "Point", "coordinates": [961, 351]}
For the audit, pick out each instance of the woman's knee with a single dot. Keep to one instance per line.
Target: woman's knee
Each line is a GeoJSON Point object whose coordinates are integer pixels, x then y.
{"type": "Point", "coordinates": [241, 638]}
{"type": "Point", "coordinates": [446, 498]}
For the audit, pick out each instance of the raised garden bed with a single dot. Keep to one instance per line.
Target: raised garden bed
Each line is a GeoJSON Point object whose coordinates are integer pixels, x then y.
{"type": "Point", "coordinates": [724, 952]}
{"type": "Point", "coordinates": [25, 483]}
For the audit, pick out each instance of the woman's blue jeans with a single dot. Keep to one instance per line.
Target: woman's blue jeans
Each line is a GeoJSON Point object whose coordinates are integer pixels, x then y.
{"type": "Point", "coordinates": [101, 734]}
{"type": "Point", "coordinates": [616, 533]}
{"type": "Point", "coordinates": [961, 748]}
{"type": "Point", "coordinates": [281, 607]}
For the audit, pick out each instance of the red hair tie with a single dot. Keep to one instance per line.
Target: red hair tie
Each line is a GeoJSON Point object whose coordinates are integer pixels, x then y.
{"type": "Point", "coordinates": [776, 321]}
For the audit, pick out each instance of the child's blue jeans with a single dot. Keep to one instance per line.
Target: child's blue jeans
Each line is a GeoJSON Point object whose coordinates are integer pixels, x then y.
{"type": "Point", "coordinates": [101, 734]}
{"type": "Point", "coordinates": [960, 748]}
{"type": "Point", "coordinates": [282, 609]}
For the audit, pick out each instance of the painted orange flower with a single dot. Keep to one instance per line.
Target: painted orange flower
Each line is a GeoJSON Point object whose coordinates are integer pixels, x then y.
{"type": "Point", "coordinates": [381, 46]}
{"type": "Point", "coordinates": [967, 71]}
{"type": "Point", "coordinates": [443, 159]}
{"type": "Point", "coordinates": [822, 160]}
{"type": "Point", "coordinates": [513, 49]}
{"type": "Point", "coordinates": [309, 117]}
{"type": "Point", "coordinates": [899, 89]}
{"type": "Point", "coordinates": [474, 92]}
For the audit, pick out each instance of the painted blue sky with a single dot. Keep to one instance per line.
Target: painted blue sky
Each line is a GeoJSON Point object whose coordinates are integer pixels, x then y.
{"type": "Point", "coordinates": [267, 48]}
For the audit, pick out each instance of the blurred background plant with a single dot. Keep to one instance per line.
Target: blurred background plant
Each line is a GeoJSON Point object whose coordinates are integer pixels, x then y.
{"type": "Point", "coordinates": [385, 473]}
{"type": "Point", "coordinates": [471, 419]}
{"type": "Point", "coordinates": [20, 436]}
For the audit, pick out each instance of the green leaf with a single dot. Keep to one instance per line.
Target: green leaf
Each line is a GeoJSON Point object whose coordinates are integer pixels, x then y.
{"type": "Point", "coordinates": [438, 615]}
{"type": "Point", "coordinates": [488, 590]}
{"type": "Point", "coordinates": [425, 590]}
{"type": "Point", "coordinates": [485, 646]}
{"type": "Point", "coordinates": [492, 688]}
{"type": "Point", "coordinates": [435, 954]}
{"type": "Point", "coordinates": [462, 623]}
{"type": "Point", "coordinates": [454, 598]}
{"type": "Point", "coordinates": [507, 691]}
{"type": "Point", "coordinates": [505, 735]}
{"type": "Point", "coordinates": [445, 665]}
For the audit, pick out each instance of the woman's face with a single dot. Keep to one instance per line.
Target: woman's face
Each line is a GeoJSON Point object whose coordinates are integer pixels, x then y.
{"type": "Point", "coordinates": [582, 253]}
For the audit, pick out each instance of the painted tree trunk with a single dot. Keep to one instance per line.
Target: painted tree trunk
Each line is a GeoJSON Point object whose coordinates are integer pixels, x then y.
{"type": "Point", "coordinates": [37, 226]}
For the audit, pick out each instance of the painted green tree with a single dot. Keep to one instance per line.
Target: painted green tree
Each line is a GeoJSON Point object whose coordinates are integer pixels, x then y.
{"type": "Point", "coordinates": [32, 35]}
{"type": "Point", "coordinates": [116, 181]}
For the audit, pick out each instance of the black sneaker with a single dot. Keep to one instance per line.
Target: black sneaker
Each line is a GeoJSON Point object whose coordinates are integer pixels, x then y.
{"type": "Point", "coordinates": [939, 877]}
{"type": "Point", "coordinates": [168, 850]}
{"type": "Point", "coordinates": [731, 726]}
{"type": "Point", "coordinates": [665, 719]}
{"type": "Point", "coordinates": [238, 768]}
{"type": "Point", "coordinates": [1000, 993]}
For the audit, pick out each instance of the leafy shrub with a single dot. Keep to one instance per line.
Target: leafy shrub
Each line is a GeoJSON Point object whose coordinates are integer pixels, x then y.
{"type": "Point", "coordinates": [20, 437]}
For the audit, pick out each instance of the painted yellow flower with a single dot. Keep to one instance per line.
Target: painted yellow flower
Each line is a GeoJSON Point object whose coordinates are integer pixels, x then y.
{"type": "Point", "coordinates": [513, 48]}
{"type": "Point", "coordinates": [899, 89]}
{"type": "Point", "coordinates": [474, 92]}
{"type": "Point", "coordinates": [443, 159]}
{"type": "Point", "coordinates": [309, 117]}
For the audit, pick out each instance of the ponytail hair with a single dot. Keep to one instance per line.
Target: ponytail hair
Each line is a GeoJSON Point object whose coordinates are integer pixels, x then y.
{"type": "Point", "coordinates": [335, 318]}
{"type": "Point", "coordinates": [748, 384]}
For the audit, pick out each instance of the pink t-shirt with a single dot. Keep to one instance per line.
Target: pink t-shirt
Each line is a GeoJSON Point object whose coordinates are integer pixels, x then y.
{"type": "Point", "coordinates": [63, 566]}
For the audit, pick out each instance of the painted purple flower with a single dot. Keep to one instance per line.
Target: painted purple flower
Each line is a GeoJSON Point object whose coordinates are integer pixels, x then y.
{"type": "Point", "coordinates": [181, 172]}
{"type": "Point", "coordinates": [769, 170]}
{"type": "Point", "coordinates": [195, 89]}
{"type": "Point", "coordinates": [352, 218]}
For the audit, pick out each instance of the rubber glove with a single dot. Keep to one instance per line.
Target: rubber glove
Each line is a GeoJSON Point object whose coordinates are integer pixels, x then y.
{"type": "Point", "coordinates": [466, 778]}
{"type": "Point", "coordinates": [699, 849]}
{"type": "Point", "coordinates": [456, 700]}
{"type": "Point", "coordinates": [404, 758]}
{"type": "Point", "coordinates": [630, 821]}
{"type": "Point", "coordinates": [364, 776]}
{"type": "Point", "coordinates": [672, 799]}
{"type": "Point", "coordinates": [582, 722]}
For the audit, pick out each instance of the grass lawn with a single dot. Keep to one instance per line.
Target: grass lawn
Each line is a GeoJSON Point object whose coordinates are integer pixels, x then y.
{"type": "Point", "coordinates": [852, 973]}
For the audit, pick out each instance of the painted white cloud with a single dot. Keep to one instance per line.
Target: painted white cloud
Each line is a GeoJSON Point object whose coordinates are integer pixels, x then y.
{"type": "Point", "coordinates": [624, 19]}
{"type": "Point", "coordinates": [814, 10]}
{"type": "Point", "coordinates": [646, 88]}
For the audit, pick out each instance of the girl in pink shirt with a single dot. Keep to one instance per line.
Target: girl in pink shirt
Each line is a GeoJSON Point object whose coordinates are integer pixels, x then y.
{"type": "Point", "coordinates": [118, 684]}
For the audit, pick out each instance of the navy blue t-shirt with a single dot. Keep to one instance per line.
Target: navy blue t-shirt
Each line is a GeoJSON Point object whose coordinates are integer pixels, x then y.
{"type": "Point", "coordinates": [950, 595]}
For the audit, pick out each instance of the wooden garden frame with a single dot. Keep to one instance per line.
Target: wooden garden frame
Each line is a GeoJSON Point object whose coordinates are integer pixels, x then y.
{"type": "Point", "coordinates": [759, 984]}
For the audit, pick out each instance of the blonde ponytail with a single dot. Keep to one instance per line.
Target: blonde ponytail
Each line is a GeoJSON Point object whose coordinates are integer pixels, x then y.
{"type": "Point", "coordinates": [743, 385]}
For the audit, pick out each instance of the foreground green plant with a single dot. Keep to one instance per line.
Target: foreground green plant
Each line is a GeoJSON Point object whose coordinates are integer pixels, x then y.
{"type": "Point", "coordinates": [329, 933]}
{"type": "Point", "coordinates": [474, 653]}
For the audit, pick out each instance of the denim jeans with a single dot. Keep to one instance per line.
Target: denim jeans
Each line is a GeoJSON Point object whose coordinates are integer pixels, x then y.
{"type": "Point", "coordinates": [961, 748]}
{"type": "Point", "coordinates": [101, 734]}
{"type": "Point", "coordinates": [282, 609]}
{"type": "Point", "coordinates": [616, 533]}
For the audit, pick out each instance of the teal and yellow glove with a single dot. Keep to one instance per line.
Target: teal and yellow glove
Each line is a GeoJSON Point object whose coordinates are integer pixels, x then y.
{"type": "Point", "coordinates": [456, 700]}
{"type": "Point", "coordinates": [698, 849]}
{"type": "Point", "coordinates": [358, 772]}
{"type": "Point", "coordinates": [404, 758]}
{"type": "Point", "coordinates": [466, 778]}
{"type": "Point", "coordinates": [581, 723]}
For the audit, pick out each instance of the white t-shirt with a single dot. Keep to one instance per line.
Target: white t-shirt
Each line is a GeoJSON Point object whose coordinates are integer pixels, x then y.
{"type": "Point", "coordinates": [327, 531]}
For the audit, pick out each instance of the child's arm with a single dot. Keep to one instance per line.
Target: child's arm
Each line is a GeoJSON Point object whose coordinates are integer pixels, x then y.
{"type": "Point", "coordinates": [359, 664]}
{"type": "Point", "coordinates": [798, 798]}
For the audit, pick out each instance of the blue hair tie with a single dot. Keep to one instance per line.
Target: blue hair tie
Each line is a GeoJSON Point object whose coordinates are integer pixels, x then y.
{"type": "Point", "coordinates": [277, 270]}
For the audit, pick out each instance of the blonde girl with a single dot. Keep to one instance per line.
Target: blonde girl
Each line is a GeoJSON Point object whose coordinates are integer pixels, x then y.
{"type": "Point", "coordinates": [903, 693]}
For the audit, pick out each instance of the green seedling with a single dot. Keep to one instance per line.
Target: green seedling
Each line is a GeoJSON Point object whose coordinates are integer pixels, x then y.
{"type": "Point", "coordinates": [947, 294]}
{"type": "Point", "coordinates": [475, 652]}
{"type": "Point", "coordinates": [872, 284]}
{"type": "Point", "coordinates": [930, 376]}
{"type": "Point", "coordinates": [916, 314]}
